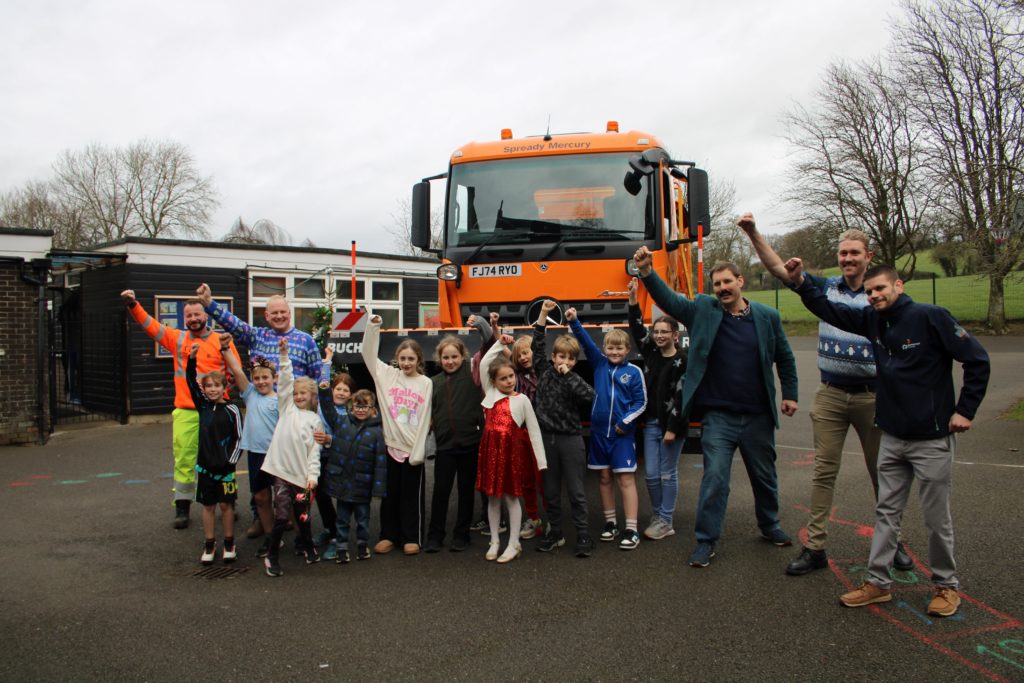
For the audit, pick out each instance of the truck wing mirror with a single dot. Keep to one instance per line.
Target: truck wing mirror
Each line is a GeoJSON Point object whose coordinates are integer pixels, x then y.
{"type": "Point", "coordinates": [698, 203]}
{"type": "Point", "coordinates": [420, 233]}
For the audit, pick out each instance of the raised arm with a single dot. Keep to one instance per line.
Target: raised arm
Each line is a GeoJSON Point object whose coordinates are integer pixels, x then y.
{"type": "Point", "coordinates": [771, 260]}
{"type": "Point", "coordinates": [285, 378]}
{"type": "Point", "coordinates": [675, 305]}
{"type": "Point", "coordinates": [371, 348]}
{"type": "Point", "coordinates": [855, 320]}
{"type": "Point", "coordinates": [239, 329]}
{"type": "Point", "coordinates": [485, 366]}
{"type": "Point", "coordinates": [191, 378]}
{"type": "Point", "coordinates": [590, 349]}
{"type": "Point", "coordinates": [641, 335]}
{"type": "Point", "coordinates": [233, 363]}
{"type": "Point", "coordinates": [164, 336]}
{"type": "Point", "coordinates": [539, 343]}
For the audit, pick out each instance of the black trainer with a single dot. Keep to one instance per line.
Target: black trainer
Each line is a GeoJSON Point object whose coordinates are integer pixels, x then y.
{"type": "Point", "coordinates": [584, 546]}
{"type": "Point", "coordinates": [550, 541]}
{"type": "Point", "coordinates": [312, 556]}
{"type": "Point", "coordinates": [901, 560]}
{"type": "Point", "coordinates": [458, 545]}
{"type": "Point", "coordinates": [362, 552]}
{"type": "Point", "coordinates": [342, 557]}
{"type": "Point", "coordinates": [807, 561]}
{"type": "Point", "coordinates": [610, 533]}
{"type": "Point", "coordinates": [433, 546]}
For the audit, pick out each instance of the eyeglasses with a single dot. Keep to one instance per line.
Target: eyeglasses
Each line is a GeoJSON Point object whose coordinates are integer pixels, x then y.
{"type": "Point", "coordinates": [360, 406]}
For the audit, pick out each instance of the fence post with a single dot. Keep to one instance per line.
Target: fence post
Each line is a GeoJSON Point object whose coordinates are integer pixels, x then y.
{"type": "Point", "coordinates": [776, 281]}
{"type": "Point", "coordinates": [934, 278]}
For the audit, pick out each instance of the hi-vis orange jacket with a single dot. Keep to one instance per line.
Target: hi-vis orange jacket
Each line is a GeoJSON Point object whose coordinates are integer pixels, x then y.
{"type": "Point", "coordinates": [179, 343]}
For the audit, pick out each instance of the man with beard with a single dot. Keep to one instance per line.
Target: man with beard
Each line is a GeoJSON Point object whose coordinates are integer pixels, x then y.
{"type": "Point", "coordinates": [729, 386]}
{"type": "Point", "coordinates": [185, 418]}
{"type": "Point", "coordinates": [919, 414]}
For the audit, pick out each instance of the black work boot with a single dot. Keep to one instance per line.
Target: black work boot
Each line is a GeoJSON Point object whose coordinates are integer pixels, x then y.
{"type": "Point", "coordinates": [807, 562]}
{"type": "Point", "coordinates": [181, 514]}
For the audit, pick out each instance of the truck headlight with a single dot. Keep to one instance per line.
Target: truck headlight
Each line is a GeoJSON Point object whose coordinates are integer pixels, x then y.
{"type": "Point", "coordinates": [631, 269]}
{"type": "Point", "coordinates": [448, 271]}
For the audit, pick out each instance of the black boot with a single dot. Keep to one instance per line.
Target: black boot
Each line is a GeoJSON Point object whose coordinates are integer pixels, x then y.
{"type": "Point", "coordinates": [181, 514]}
{"type": "Point", "coordinates": [807, 562]}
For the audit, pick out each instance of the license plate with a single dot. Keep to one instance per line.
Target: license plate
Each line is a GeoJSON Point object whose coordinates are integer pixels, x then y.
{"type": "Point", "coordinates": [497, 270]}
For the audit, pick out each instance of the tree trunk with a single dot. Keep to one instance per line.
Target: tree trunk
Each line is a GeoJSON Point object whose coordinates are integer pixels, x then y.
{"type": "Point", "coordinates": [996, 320]}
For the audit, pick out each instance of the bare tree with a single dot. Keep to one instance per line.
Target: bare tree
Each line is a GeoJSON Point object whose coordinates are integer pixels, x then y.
{"type": "Point", "coordinates": [98, 194]}
{"type": "Point", "coordinates": [858, 160]}
{"type": "Point", "coordinates": [263, 231]}
{"type": "Point", "coordinates": [166, 193]}
{"type": "Point", "coordinates": [963, 65]}
{"type": "Point", "coordinates": [400, 229]}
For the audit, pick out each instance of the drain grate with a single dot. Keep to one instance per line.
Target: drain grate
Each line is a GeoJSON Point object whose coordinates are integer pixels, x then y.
{"type": "Point", "coordinates": [219, 572]}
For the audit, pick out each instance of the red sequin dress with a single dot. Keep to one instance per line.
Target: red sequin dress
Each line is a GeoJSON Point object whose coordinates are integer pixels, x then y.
{"type": "Point", "coordinates": [505, 452]}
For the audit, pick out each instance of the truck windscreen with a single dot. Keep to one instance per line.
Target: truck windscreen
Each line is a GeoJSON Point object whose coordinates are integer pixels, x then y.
{"type": "Point", "coordinates": [545, 199]}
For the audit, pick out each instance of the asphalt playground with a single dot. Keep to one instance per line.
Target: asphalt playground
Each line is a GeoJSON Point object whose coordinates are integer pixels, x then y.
{"type": "Point", "coordinates": [97, 586]}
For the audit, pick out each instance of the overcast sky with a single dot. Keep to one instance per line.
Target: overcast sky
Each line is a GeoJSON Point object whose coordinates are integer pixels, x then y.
{"type": "Point", "coordinates": [321, 115]}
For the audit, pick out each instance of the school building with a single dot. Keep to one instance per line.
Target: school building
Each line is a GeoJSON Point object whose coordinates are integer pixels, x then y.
{"type": "Point", "coordinates": [69, 352]}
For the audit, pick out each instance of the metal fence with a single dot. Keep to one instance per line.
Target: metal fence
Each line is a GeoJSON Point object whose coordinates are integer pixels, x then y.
{"type": "Point", "coordinates": [88, 380]}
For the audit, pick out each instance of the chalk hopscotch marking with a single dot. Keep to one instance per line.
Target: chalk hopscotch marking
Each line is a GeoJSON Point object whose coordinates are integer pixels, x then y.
{"type": "Point", "coordinates": [108, 475]}
{"type": "Point", "coordinates": [69, 482]}
{"type": "Point", "coordinates": [135, 481]}
{"type": "Point", "coordinates": [16, 484]}
{"type": "Point", "coordinates": [974, 622]}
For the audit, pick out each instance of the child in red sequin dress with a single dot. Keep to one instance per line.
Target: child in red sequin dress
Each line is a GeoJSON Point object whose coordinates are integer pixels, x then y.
{"type": "Point", "coordinates": [511, 442]}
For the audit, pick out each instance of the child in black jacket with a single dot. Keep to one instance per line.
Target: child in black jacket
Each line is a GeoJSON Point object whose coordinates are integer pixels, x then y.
{"type": "Point", "coordinates": [560, 395]}
{"type": "Point", "coordinates": [220, 429]}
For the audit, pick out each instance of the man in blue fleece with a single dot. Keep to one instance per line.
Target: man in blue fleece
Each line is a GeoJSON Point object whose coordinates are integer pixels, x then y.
{"type": "Point", "coordinates": [917, 410]}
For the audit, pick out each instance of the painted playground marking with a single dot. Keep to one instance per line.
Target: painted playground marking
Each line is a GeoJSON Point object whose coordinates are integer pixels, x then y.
{"type": "Point", "coordinates": [978, 636]}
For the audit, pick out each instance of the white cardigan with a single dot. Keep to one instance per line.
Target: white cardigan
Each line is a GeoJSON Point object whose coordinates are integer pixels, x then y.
{"type": "Point", "coordinates": [293, 454]}
{"type": "Point", "coordinates": [519, 405]}
{"type": "Point", "coordinates": [404, 401]}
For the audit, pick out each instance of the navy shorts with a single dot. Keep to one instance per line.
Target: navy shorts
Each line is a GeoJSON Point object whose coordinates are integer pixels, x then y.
{"type": "Point", "coordinates": [617, 452]}
{"type": "Point", "coordinates": [211, 490]}
{"type": "Point", "coordinates": [258, 479]}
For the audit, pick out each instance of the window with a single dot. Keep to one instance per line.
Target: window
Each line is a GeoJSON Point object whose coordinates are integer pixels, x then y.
{"type": "Point", "coordinates": [302, 318]}
{"type": "Point", "coordinates": [344, 288]}
{"type": "Point", "coordinates": [388, 317]}
{"type": "Point", "coordinates": [263, 287]}
{"type": "Point", "coordinates": [308, 289]}
{"type": "Point", "coordinates": [385, 291]}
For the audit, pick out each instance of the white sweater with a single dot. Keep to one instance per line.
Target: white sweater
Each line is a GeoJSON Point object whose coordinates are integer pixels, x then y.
{"type": "Point", "coordinates": [404, 401]}
{"type": "Point", "coordinates": [293, 454]}
{"type": "Point", "coordinates": [519, 405]}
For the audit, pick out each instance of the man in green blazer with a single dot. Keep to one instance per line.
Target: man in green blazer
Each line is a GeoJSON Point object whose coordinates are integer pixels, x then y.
{"type": "Point", "coordinates": [729, 386]}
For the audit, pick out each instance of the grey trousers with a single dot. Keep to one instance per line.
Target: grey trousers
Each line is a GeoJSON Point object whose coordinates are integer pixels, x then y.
{"type": "Point", "coordinates": [899, 463]}
{"type": "Point", "coordinates": [567, 462]}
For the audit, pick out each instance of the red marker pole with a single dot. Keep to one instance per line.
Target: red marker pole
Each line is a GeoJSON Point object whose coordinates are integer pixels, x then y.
{"type": "Point", "coordinates": [353, 275]}
{"type": "Point", "coordinates": [700, 258]}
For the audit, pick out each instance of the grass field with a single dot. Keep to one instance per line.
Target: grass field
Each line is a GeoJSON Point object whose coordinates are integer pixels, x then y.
{"type": "Point", "coordinates": [966, 297]}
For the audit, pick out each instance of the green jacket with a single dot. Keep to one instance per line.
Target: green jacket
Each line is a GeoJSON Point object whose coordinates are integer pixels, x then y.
{"type": "Point", "coordinates": [702, 317]}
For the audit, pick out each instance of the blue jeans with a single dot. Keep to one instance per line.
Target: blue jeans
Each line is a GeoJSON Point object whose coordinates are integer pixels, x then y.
{"type": "Point", "coordinates": [661, 470]}
{"type": "Point", "coordinates": [362, 513]}
{"type": "Point", "coordinates": [754, 435]}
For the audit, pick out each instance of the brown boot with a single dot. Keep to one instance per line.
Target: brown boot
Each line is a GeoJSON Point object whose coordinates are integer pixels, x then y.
{"type": "Point", "coordinates": [256, 530]}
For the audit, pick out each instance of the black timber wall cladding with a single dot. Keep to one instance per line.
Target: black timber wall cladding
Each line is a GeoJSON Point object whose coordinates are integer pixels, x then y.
{"type": "Point", "coordinates": [100, 330]}
{"type": "Point", "coordinates": [152, 379]}
{"type": "Point", "coordinates": [414, 291]}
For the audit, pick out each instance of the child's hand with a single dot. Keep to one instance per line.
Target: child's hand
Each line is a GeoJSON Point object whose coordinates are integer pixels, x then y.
{"type": "Point", "coordinates": [562, 368]}
{"type": "Point", "coordinates": [547, 306]}
{"type": "Point", "coordinates": [376, 320]}
{"type": "Point", "coordinates": [670, 437]}
{"type": "Point", "coordinates": [471, 320]}
{"type": "Point", "coordinates": [193, 350]}
{"type": "Point", "coordinates": [632, 290]}
{"type": "Point", "coordinates": [311, 484]}
{"type": "Point", "coordinates": [329, 354]}
{"type": "Point", "coordinates": [618, 430]}
{"type": "Point", "coordinates": [506, 339]}
{"type": "Point", "coordinates": [225, 343]}
{"type": "Point", "coordinates": [322, 438]}
{"type": "Point", "coordinates": [570, 314]}
{"type": "Point", "coordinates": [282, 347]}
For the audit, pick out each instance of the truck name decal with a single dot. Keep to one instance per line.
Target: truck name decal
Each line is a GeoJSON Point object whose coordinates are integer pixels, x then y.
{"type": "Point", "coordinates": [498, 270]}
{"type": "Point", "coordinates": [541, 146]}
